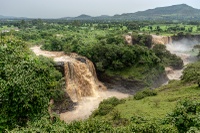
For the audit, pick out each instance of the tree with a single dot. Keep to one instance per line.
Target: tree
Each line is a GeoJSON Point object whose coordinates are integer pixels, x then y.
{"type": "Point", "coordinates": [192, 73]}
{"type": "Point", "coordinates": [167, 58]}
{"type": "Point", "coordinates": [198, 48]}
{"type": "Point", "coordinates": [185, 117]}
{"type": "Point", "coordinates": [27, 83]}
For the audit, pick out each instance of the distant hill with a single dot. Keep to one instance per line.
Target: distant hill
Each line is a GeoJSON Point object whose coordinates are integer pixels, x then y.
{"type": "Point", "coordinates": [5, 17]}
{"type": "Point", "coordinates": [174, 12]}
{"type": "Point", "coordinates": [83, 16]}
{"type": "Point", "coordinates": [11, 17]}
{"type": "Point", "coordinates": [181, 12]}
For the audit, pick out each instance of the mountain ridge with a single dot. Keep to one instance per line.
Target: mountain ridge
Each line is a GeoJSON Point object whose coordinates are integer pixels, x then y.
{"type": "Point", "coordinates": [175, 12]}
{"type": "Point", "coordinates": [180, 12]}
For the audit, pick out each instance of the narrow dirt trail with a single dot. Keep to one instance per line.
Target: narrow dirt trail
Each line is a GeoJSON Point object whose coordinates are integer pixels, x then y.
{"type": "Point", "coordinates": [56, 56]}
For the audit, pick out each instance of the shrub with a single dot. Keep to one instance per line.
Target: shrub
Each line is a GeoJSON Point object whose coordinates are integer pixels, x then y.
{"type": "Point", "coordinates": [106, 106]}
{"type": "Point", "coordinates": [144, 93]}
{"type": "Point", "coordinates": [192, 73]}
{"type": "Point", "coordinates": [185, 117]}
{"type": "Point", "coordinates": [27, 83]}
{"type": "Point", "coordinates": [168, 59]}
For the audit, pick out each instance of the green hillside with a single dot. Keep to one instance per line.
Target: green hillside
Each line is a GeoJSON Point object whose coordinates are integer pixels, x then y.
{"type": "Point", "coordinates": [181, 12]}
{"type": "Point", "coordinates": [175, 12]}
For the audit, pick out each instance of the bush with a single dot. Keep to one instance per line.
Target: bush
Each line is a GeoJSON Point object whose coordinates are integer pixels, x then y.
{"type": "Point", "coordinates": [43, 125]}
{"type": "Point", "coordinates": [192, 73]}
{"type": "Point", "coordinates": [113, 101]}
{"type": "Point", "coordinates": [185, 117]}
{"type": "Point", "coordinates": [106, 106]}
{"type": "Point", "coordinates": [144, 93]}
{"type": "Point", "coordinates": [168, 59]}
{"type": "Point", "coordinates": [27, 83]}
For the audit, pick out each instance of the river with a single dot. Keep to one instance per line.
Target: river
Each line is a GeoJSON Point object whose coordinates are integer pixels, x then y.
{"type": "Point", "coordinates": [187, 54]}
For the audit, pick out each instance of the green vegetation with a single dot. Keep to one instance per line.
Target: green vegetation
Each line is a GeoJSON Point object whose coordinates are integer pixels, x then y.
{"type": "Point", "coordinates": [192, 74]}
{"type": "Point", "coordinates": [28, 82]}
{"type": "Point", "coordinates": [175, 108]}
{"type": "Point", "coordinates": [144, 93]}
{"type": "Point", "coordinates": [106, 106]}
{"type": "Point", "coordinates": [167, 58]}
{"type": "Point", "coordinates": [185, 117]}
{"type": "Point", "coordinates": [197, 47]}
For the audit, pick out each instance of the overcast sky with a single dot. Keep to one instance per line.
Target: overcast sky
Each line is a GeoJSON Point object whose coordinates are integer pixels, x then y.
{"type": "Point", "coordinates": [72, 8]}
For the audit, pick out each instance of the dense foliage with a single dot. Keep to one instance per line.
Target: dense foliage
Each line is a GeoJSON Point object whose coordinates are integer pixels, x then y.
{"type": "Point", "coordinates": [167, 58]}
{"type": "Point", "coordinates": [185, 117]}
{"type": "Point", "coordinates": [197, 47]}
{"type": "Point", "coordinates": [106, 106]}
{"type": "Point", "coordinates": [144, 93]}
{"type": "Point", "coordinates": [115, 57]}
{"type": "Point", "coordinates": [27, 83]}
{"type": "Point", "coordinates": [192, 73]}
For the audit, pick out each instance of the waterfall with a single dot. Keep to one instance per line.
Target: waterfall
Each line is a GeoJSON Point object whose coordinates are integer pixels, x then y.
{"type": "Point", "coordinates": [81, 79]}
{"type": "Point", "coordinates": [80, 74]}
{"type": "Point", "coordinates": [161, 39]}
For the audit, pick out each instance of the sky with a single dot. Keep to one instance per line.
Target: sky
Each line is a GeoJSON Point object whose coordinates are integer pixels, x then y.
{"type": "Point", "coordinates": [73, 8]}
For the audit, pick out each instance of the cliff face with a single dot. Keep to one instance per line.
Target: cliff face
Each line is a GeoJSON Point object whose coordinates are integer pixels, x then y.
{"type": "Point", "coordinates": [191, 39]}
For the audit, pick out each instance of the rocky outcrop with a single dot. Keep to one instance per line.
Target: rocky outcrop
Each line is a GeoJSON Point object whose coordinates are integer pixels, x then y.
{"type": "Point", "coordinates": [128, 39]}
{"type": "Point", "coordinates": [130, 85]}
{"type": "Point", "coordinates": [121, 84]}
{"type": "Point", "coordinates": [191, 39]}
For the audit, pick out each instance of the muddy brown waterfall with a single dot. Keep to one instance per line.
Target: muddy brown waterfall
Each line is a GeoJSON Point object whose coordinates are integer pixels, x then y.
{"type": "Point", "coordinates": [161, 39]}
{"type": "Point", "coordinates": [80, 75]}
{"type": "Point", "coordinates": [82, 84]}
{"type": "Point", "coordinates": [81, 79]}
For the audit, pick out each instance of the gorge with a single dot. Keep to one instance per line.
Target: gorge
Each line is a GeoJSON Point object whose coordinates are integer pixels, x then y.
{"type": "Point", "coordinates": [82, 84]}
{"type": "Point", "coordinates": [84, 88]}
{"type": "Point", "coordinates": [182, 46]}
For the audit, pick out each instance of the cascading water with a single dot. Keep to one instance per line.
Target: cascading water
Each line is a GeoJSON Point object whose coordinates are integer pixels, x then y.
{"type": "Point", "coordinates": [183, 49]}
{"type": "Point", "coordinates": [80, 75]}
{"type": "Point", "coordinates": [161, 39]}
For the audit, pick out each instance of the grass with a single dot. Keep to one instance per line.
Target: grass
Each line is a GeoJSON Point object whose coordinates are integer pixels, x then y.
{"type": "Point", "coordinates": [165, 26]}
{"type": "Point", "coordinates": [156, 107]}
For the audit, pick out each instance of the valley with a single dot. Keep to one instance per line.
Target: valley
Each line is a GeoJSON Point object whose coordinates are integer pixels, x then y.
{"type": "Point", "coordinates": [134, 72]}
{"type": "Point", "coordinates": [88, 100]}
